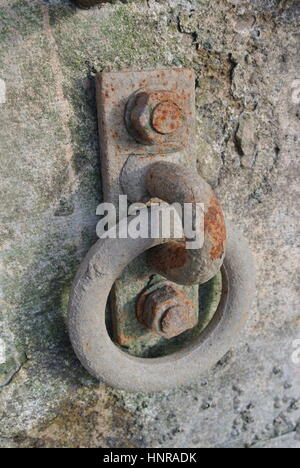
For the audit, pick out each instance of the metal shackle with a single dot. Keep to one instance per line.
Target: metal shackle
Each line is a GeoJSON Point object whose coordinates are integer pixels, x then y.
{"type": "Point", "coordinates": [174, 183]}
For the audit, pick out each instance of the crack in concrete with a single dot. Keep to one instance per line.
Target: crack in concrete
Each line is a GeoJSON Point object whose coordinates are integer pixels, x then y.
{"type": "Point", "coordinates": [13, 374]}
{"type": "Point", "coordinates": [275, 437]}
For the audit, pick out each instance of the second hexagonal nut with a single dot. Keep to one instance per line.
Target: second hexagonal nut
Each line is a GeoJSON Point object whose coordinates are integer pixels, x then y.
{"type": "Point", "coordinates": [166, 312]}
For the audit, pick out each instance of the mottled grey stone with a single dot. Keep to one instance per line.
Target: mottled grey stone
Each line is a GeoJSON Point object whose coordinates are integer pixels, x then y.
{"type": "Point", "coordinates": [246, 58]}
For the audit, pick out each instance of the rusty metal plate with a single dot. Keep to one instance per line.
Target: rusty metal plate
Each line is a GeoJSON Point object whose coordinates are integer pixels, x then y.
{"type": "Point", "coordinates": [114, 90]}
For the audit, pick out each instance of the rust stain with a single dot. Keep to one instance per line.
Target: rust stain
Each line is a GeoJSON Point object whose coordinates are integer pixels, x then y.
{"type": "Point", "coordinates": [167, 117]}
{"type": "Point", "coordinates": [214, 225]}
{"type": "Point", "coordinates": [169, 256]}
{"type": "Point", "coordinates": [139, 307]}
{"type": "Point", "coordinates": [121, 338]}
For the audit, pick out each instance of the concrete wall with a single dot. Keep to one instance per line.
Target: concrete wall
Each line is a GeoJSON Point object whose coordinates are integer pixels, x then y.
{"type": "Point", "coordinates": [246, 58]}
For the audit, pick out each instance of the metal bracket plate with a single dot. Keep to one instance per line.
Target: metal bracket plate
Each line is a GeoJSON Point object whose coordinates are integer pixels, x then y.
{"type": "Point", "coordinates": [114, 89]}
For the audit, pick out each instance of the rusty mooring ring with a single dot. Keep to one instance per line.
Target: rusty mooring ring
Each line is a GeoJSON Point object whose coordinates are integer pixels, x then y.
{"type": "Point", "coordinates": [107, 362]}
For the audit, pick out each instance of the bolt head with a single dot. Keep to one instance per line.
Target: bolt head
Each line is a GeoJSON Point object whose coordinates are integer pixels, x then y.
{"type": "Point", "coordinates": [166, 312]}
{"type": "Point", "coordinates": [156, 117]}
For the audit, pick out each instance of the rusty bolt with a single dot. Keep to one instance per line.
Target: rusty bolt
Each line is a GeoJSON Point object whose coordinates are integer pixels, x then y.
{"type": "Point", "coordinates": [166, 117]}
{"type": "Point", "coordinates": [155, 117]}
{"type": "Point", "coordinates": [166, 312]}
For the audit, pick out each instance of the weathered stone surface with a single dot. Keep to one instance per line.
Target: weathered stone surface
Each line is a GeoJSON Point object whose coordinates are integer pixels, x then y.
{"type": "Point", "coordinates": [246, 57]}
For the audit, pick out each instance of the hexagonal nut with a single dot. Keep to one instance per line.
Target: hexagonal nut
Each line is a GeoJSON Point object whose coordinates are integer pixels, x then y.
{"type": "Point", "coordinates": [177, 320]}
{"type": "Point", "coordinates": [156, 117]}
{"type": "Point", "coordinates": [167, 313]}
